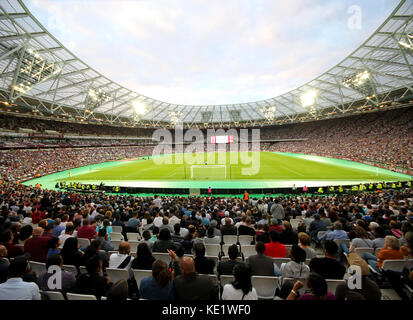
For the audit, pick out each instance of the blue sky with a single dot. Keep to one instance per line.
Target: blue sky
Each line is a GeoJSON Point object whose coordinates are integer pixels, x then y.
{"type": "Point", "coordinates": [210, 51]}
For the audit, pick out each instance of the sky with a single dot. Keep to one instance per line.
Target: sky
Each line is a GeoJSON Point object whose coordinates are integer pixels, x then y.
{"type": "Point", "coordinates": [211, 51]}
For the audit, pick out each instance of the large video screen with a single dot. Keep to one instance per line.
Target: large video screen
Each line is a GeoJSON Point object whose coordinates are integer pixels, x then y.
{"type": "Point", "coordinates": [222, 139]}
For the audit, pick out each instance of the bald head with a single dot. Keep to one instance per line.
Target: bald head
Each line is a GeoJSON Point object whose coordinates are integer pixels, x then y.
{"type": "Point", "coordinates": [187, 265]}
{"type": "Point", "coordinates": [124, 247]}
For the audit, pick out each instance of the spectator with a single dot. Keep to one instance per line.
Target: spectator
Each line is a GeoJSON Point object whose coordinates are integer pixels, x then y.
{"type": "Point", "coordinates": [211, 238]}
{"type": "Point", "coordinates": [305, 242]}
{"type": "Point", "coordinates": [53, 245]}
{"type": "Point", "coordinates": [6, 239]}
{"type": "Point", "coordinates": [203, 265]}
{"type": "Point", "coordinates": [317, 286]}
{"type": "Point", "coordinates": [241, 288]}
{"type": "Point", "coordinates": [296, 268]}
{"type": "Point", "coordinates": [160, 285]}
{"type": "Point", "coordinates": [260, 264]}
{"type": "Point", "coordinates": [288, 236]}
{"type": "Point", "coordinates": [164, 243]}
{"type": "Point", "coordinates": [4, 264]}
{"type": "Point", "coordinates": [118, 291]}
{"type": "Point", "coordinates": [86, 231]}
{"type": "Point", "coordinates": [144, 258]}
{"type": "Point", "coordinates": [37, 245]}
{"type": "Point", "coordinates": [106, 245]}
{"type": "Point", "coordinates": [275, 249]}
{"type": "Point", "coordinates": [71, 254]}
{"type": "Point", "coordinates": [68, 279]}
{"type": "Point", "coordinates": [226, 267]}
{"type": "Point", "coordinates": [328, 267]}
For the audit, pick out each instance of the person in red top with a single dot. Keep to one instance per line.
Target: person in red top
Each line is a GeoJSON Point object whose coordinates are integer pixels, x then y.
{"type": "Point", "coordinates": [275, 249]}
{"type": "Point", "coordinates": [275, 226]}
{"type": "Point", "coordinates": [6, 239]}
{"type": "Point", "coordinates": [86, 231]}
{"type": "Point", "coordinates": [246, 196]}
{"type": "Point", "coordinates": [37, 245]}
{"type": "Point", "coordinates": [38, 215]}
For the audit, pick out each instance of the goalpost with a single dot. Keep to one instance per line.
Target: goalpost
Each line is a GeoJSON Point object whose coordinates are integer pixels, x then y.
{"type": "Point", "coordinates": [208, 172]}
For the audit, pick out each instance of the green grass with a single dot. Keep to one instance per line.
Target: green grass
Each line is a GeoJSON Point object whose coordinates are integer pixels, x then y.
{"type": "Point", "coordinates": [272, 166]}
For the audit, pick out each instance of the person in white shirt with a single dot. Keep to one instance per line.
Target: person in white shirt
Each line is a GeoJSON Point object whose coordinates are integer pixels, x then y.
{"type": "Point", "coordinates": [241, 288]}
{"type": "Point", "coordinates": [68, 233]}
{"type": "Point", "coordinates": [296, 268]}
{"type": "Point", "coordinates": [157, 202]}
{"type": "Point", "coordinates": [226, 215]}
{"type": "Point", "coordinates": [122, 258]}
{"type": "Point", "coordinates": [15, 288]}
{"type": "Point", "coordinates": [174, 220]}
{"type": "Point", "coordinates": [157, 222]}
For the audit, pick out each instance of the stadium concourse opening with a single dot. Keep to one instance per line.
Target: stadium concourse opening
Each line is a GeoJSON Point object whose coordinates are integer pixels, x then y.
{"type": "Point", "coordinates": [276, 173]}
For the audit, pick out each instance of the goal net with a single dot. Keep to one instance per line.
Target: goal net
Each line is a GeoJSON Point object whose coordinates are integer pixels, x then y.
{"type": "Point", "coordinates": [208, 172]}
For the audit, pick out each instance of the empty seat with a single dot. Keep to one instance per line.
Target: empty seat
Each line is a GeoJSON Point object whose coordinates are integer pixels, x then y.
{"type": "Point", "coordinates": [115, 244]}
{"type": "Point", "coordinates": [265, 286]}
{"type": "Point", "coordinates": [279, 261]}
{"type": "Point", "coordinates": [248, 251]}
{"type": "Point", "coordinates": [361, 251]}
{"type": "Point", "coordinates": [116, 236]}
{"type": "Point", "coordinates": [75, 296]}
{"type": "Point", "coordinates": [117, 229]}
{"type": "Point", "coordinates": [245, 240]}
{"type": "Point", "coordinates": [133, 245]}
{"type": "Point", "coordinates": [132, 236]}
{"type": "Point", "coordinates": [117, 274]}
{"type": "Point", "coordinates": [37, 267]}
{"type": "Point", "coordinates": [213, 250]}
{"type": "Point", "coordinates": [230, 239]}
{"type": "Point", "coordinates": [70, 268]}
{"type": "Point", "coordinates": [162, 256]}
{"type": "Point", "coordinates": [140, 274]}
{"type": "Point", "coordinates": [333, 283]}
{"type": "Point", "coordinates": [83, 242]}
{"type": "Point", "coordinates": [54, 295]}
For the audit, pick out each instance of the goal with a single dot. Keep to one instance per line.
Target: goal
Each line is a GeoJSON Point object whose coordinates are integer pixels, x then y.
{"type": "Point", "coordinates": [208, 172]}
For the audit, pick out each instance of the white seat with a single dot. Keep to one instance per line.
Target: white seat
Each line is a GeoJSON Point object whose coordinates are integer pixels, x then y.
{"type": "Point", "coordinates": [245, 240]}
{"type": "Point", "coordinates": [394, 265]}
{"type": "Point", "coordinates": [212, 249]}
{"type": "Point", "coordinates": [333, 283]}
{"type": "Point", "coordinates": [226, 279]}
{"type": "Point", "coordinates": [115, 244]}
{"type": "Point", "coordinates": [116, 236]}
{"type": "Point", "coordinates": [279, 261]}
{"type": "Point", "coordinates": [70, 268]}
{"type": "Point", "coordinates": [82, 269]}
{"type": "Point", "coordinates": [117, 274]}
{"type": "Point", "coordinates": [230, 239]}
{"type": "Point", "coordinates": [339, 242]}
{"type": "Point", "coordinates": [37, 267]}
{"type": "Point", "coordinates": [361, 251]}
{"type": "Point", "coordinates": [295, 223]}
{"type": "Point", "coordinates": [133, 245]}
{"type": "Point", "coordinates": [307, 261]}
{"type": "Point", "coordinates": [321, 233]}
{"type": "Point", "coordinates": [103, 298]}
{"type": "Point", "coordinates": [291, 280]}
{"type": "Point", "coordinates": [117, 229]}
{"type": "Point", "coordinates": [248, 251]}
{"type": "Point", "coordinates": [162, 256]}
{"type": "Point", "coordinates": [84, 242]}
{"type": "Point", "coordinates": [140, 274]}
{"type": "Point", "coordinates": [265, 286]}
{"type": "Point", "coordinates": [133, 236]}
{"type": "Point", "coordinates": [54, 295]}
{"type": "Point", "coordinates": [226, 258]}
{"type": "Point", "coordinates": [75, 296]}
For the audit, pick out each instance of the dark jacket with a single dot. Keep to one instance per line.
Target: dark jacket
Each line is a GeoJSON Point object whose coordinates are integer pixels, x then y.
{"type": "Point", "coordinates": [204, 265]}
{"type": "Point", "coordinates": [229, 230]}
{"type": "Point", "coordinates": [226, 267]}
{"type": "Point", "coordinates": [289, 237]}
{"type": "Point", "coordinates": [92, 284]}
{"type": "Point", "coordinates": [163, 245]}
{"type": "Point", "coordinates": [261, 265]}
{"type": "Point", "coordinates": [193, 287]}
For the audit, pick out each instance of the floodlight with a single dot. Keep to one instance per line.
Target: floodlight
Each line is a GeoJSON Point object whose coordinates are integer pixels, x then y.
{"type": "Point", "coordinates": [308, 98]}
{"type": "Point", "coordinates": [139, 107]}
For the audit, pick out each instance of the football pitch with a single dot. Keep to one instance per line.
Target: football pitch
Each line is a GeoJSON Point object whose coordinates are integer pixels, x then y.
{"type": "Point", "coordinates": [264, 170]}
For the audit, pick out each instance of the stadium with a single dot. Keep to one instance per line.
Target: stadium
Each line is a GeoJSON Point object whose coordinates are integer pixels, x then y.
{"type": "Point", "coordinates": [142, 199]}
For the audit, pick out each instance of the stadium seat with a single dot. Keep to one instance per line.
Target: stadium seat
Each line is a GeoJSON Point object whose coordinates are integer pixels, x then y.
{"type": "Point", "coordinates": [75, 296]}
{"type": "Point", "coordinates": [339, 242]}
{"type": "Point", "coordinates": [213, 277]}
{"type": "Point", "coordinates": [265, 286]}
{"type": "Point", "coordinates": [134, 245]}
{"type": "Point", "coordinates": [115, 244]}
{"type": "Point", "coordinates": [295, 223]}
{"type": "Point", "coordinates": [213, 250]}
{"type": "Point", "coordinates": [116, 236]}
{"type": "Point", "coordinates": [361, 251]}
{"type": "Point", "coordinates": [394, 265]}
{"type": "Point", "coordinates": [117, 229]}
{"type": "Point", "coordinates": [70, 268]}
{"type": "Point", "coordinates": [82, 269]}
{"type": "Point", "coordinates": [226, 279]}
{"type": "Point", "coordinates": [321, 233]}
{"type": "Point", "coordinates": [291, 280]}
{"type": "Point", "coordinates": [333, 283]}
{"type": "Point", "coordinates": [245, 240]}
{"type": "Point", "coordinates": [83, 242]}
{"type": "Point", "coordinates": [307, 261]}
{"type": "Point", "coordinates": [162, 256]}
{"type": "Point", "coordinates": [54, 295]}
{"type": "Point", "coordinates": [140, 274]}
{"type": "Point", "coordinates": [248, 251]}
{"type": "Point", "coordinates": [133, 236]}
{"type": "Point", "coordinates": [215, 258]}
{"type": "Point", "coordinates": [117, 274]}
{"type": "Point", "coordinates": [226, 258]}
{"type": "Point", "coordinates": [37, 267]}
{"type": "Point", "coordinates": [230, 239]}
{"type": "Point", "coordinates": [279, 261]}
{"type": "Point", "coordinates": [225, 248]}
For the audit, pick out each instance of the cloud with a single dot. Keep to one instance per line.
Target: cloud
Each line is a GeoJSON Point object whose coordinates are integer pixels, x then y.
{"type": "Point", "coordinates": [209, 52]}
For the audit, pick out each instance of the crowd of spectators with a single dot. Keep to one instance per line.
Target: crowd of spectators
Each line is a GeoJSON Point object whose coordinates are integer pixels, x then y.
{"type": "Point", "coordinates": [45, 225]}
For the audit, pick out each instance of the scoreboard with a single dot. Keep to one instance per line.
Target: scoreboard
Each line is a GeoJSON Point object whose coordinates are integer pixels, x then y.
{"type": "Point", "coordinates": [222, 139]}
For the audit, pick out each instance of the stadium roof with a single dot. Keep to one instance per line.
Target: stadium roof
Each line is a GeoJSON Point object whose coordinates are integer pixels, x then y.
{"type": "Point", "coordinates": [37, 71]}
